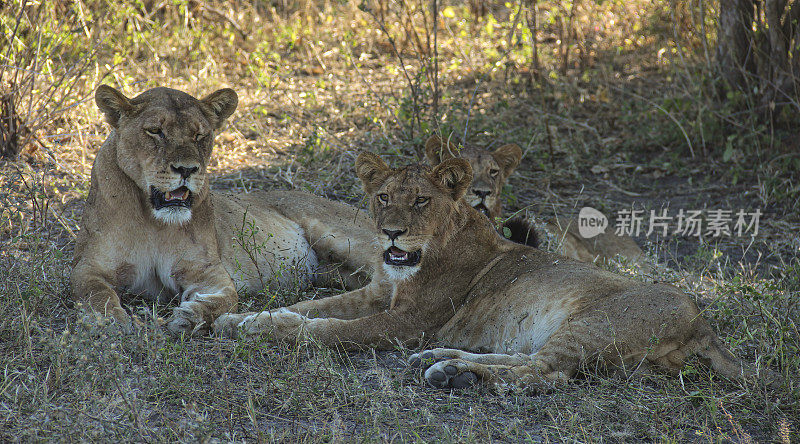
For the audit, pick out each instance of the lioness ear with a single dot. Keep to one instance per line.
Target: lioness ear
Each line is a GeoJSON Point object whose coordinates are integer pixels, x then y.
{"type": "Point", "coordinates": [372, 171]}
{"type": "Point", "coordinates": [455, 175]}
{"type": "Point", "coordinates": [223, 103]}
{"type": "Point", "coordinates": [436, 151]}
{"type": "Point", "coordinates": [112, 103]}
{"type": "Point", "coordinates": [508, 157]}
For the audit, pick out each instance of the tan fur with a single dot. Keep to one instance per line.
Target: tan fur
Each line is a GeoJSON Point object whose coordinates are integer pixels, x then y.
{"type": "Point", "coordinates": [533, 316]}
{"type": "Point", "coordinates": [202, 254]}
{"type": "Point", "coordinates": [491, 170]}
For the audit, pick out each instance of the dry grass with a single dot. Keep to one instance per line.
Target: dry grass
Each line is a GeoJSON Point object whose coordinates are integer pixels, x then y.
{"type": "Point", "coordinates": [628, 120]}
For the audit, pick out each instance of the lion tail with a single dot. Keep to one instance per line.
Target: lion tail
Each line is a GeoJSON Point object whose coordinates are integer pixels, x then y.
{"type": "Point", "coordinates": [520, 230]}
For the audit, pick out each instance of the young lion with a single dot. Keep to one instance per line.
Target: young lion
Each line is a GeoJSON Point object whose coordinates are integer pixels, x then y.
{"type": "Point", "coordinates": [444, 274]}
{"type": "Point", "coordinates": [491, 170]}
{"type": "Point", "coordinates": [151, 224]}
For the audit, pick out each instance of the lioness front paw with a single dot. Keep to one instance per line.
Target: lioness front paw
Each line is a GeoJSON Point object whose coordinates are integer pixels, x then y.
{"type": "Point", "coordinates": [453, 373]}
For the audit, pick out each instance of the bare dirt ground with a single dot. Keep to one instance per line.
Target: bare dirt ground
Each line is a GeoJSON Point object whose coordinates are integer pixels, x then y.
{"type": "Point", "coordinates": [623, 126]}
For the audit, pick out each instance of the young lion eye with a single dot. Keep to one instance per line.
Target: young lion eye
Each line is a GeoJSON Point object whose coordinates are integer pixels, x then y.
{"type": "Point", "coordinates": [493, 172]}
{"type": "Point", "coordinates": [421, 201]}
{"type": "Point", "coordinates": [154, 131]}
{"type": "Point", "coordinates": [383, 198]}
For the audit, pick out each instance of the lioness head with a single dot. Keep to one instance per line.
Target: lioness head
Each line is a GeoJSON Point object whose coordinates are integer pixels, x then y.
{"type": "Point", "coordinates": [490, 171]}
{"type": "Point", "coordinates": [163, 143]}
{"type": "Point", "coordinates": [416, 208]}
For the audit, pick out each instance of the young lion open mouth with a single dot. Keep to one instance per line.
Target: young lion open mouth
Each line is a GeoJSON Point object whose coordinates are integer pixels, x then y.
{"type": "Point", "coordinates": [179, 197]}
{"type": "Point", "coordinates": [396, 256]}
{"type": "Point", "coordinates": [482, 208]}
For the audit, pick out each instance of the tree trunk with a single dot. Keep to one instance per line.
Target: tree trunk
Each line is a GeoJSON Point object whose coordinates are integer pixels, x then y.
{"type": "Point", "coordinates": [758, 51]}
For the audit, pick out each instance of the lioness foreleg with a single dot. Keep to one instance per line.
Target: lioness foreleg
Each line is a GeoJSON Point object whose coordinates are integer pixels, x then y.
{"type": "Point", "coordinates": [91, 286]}
{"type": "Point", "coordinates": [201, 303]}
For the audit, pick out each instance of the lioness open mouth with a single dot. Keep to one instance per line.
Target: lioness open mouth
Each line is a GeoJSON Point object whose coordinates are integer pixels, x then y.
{"type": "Point", "coordinates": [179, 197]}
{"type": "Point", "coordinates": [396, 256]}
{"type": "Point", "coordinates": [482, 208]}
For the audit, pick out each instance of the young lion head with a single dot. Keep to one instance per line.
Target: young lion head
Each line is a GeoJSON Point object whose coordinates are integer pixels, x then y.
{"type": "Point", "coordinates": [163, 143]}
{"type": "Point", "coordinates": [490, 169]}
{"type": "Point", "coordinates": [416, 208]}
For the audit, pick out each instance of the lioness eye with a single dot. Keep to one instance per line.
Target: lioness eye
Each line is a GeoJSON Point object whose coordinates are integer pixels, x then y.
{"type": "Point", "coordinates": [493, 172]}
{"type": "Point", "coordinates": [383, 197]}
{"type": "Point", "coordinates": [155, 132]}
{"type": "Point", "coordinates": [421, 201]}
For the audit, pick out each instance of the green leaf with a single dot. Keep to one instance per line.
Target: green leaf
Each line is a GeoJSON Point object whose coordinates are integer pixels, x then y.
{"type": "Point", "coordinates": [726, 156]}
{"type": "Point", "coordinates": [507, 232]}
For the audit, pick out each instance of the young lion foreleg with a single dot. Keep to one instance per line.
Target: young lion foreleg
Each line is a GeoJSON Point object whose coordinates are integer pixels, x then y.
{"type": "Point", "coordinates": [356, 304]}
{"type": "Point", "coordinates": [381, 330]}
{"type": "Point", "coordinates": [351, 305]}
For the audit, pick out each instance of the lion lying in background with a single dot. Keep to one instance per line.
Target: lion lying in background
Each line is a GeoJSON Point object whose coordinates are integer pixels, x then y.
{"type": "Point", "coordinates": [507, 312]}
{"type": "Point", "coordinates": [491, 170]}
{"type": "Point", "coordinates": [152, 225]}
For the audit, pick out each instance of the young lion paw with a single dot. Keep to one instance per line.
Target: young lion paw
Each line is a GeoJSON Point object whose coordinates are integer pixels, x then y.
{"type": "Point", "coordinates": [186, 322]}
{"type": "Point", "coordinates": [281, 322]}
{"type": "Point", "coordinates": [227, 325]}
{"type": "Point", "coordinates": [453, 373]}
{"type": "Point", "coordinates": [427, 358]}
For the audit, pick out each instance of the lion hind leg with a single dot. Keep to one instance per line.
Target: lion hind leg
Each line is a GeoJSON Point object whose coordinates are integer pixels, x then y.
{"type": "Point", "coordinates": [429, 357]}
{"type": "Point", "coordinates": [458, 373]}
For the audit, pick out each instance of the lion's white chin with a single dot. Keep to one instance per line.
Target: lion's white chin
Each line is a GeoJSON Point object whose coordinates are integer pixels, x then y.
{"type": "Point", "coordinates": [173, 215]}
{"type": "Point", "coordinates": [399, 273]}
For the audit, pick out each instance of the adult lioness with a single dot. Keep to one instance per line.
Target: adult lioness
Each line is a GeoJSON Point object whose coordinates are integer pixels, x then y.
{"type": "Point", "coordinates": [151, 224]}
{"type": "Point", "coordinates": [491, 170]}
{"type": "Point", "coordinates": [444, 274]}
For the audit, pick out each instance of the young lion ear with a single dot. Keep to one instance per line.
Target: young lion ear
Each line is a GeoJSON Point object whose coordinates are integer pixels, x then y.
{"type": "Point", "coordinates": [508, 157]}
{"type": "Point", "coordinates": [455, 175]}
{"type": "Point", "coordinates": [223, 103]}
{"type": "Point", "coordinates": [112, 103]}
{"type": "Point", "coordinates": [372, 171]}
{"type": "Point", "coordinates": [437, 151]}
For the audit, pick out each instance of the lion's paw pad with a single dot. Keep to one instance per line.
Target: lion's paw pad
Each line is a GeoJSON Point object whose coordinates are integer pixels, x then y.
{"type": "Point", "coordinates": [451, 374]}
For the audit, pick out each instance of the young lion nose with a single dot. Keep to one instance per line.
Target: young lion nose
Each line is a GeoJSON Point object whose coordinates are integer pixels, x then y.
{"type": "Point", "coordinates": [482, 193]}
{"type": "Point", "coordinates": [393, 234]}
{"type": "Point", "coordinates": [185, 172]}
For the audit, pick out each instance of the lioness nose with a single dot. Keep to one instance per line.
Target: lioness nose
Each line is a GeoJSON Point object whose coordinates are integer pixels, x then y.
{"type": "Point", "coordinates": [185, 172]}
{"type": "Point", "coordinates": [393, 234]}
{"type": "Point", "coordinates": [482, 193]}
